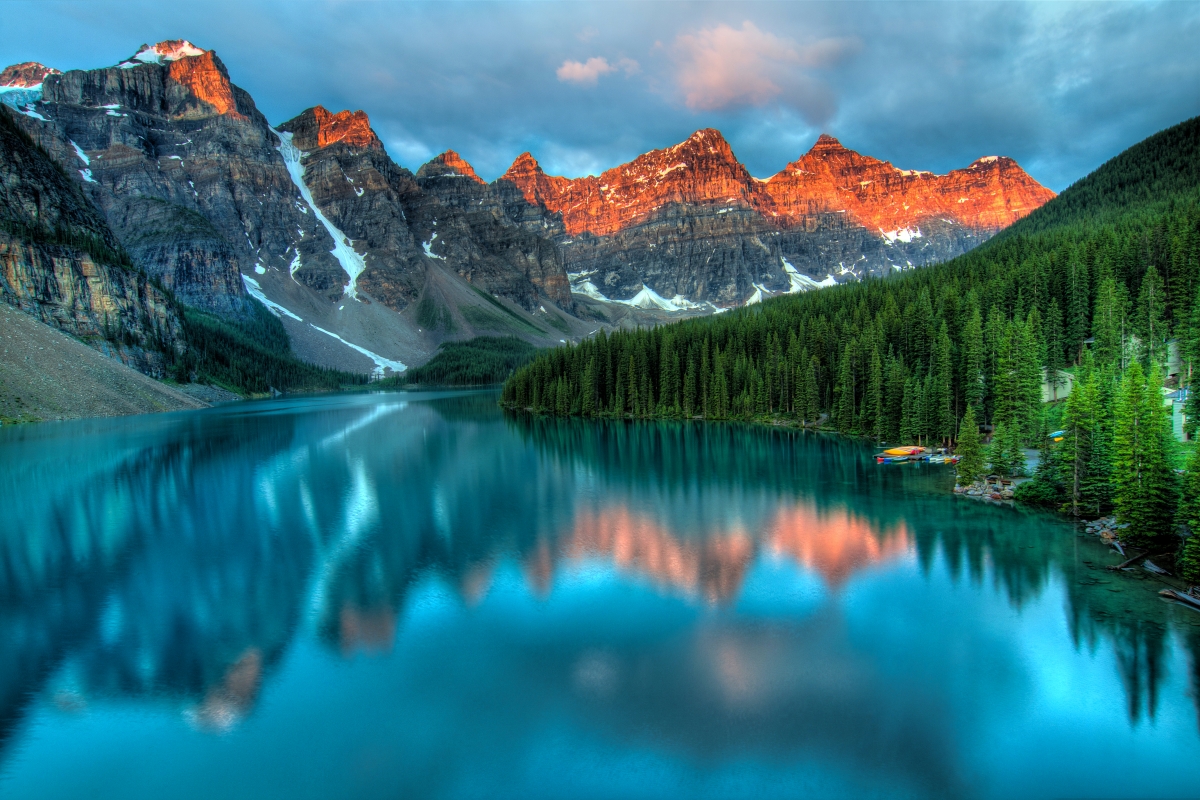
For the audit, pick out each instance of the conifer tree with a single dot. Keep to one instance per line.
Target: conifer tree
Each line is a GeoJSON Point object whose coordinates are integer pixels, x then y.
{"type": "Point", "coordinates": [1029, 357]}
{"type": "Point", "coordinates": [1054, 349]}
{"type": "Point", "coordinates": [910, 429]}
{"type": "Point", "coordinates": [873, 410]}
{"type": "Point", "coordinates": [973, 360]}
{"type": "Point", "coordinates": [1108, 325]}
{"type": "Point", "coordinates": [1078, 291]}
{"type": "Point", "coordinates": [1144, 483]}
{"type": "Point", "coordinates": [941, 399]}
{"type": "Point", "coordinates": [971, 465]}
{"type": "Point", "coordinates": [1150, 323]}
{"type": "Point", "coordinates": [1004, 453]}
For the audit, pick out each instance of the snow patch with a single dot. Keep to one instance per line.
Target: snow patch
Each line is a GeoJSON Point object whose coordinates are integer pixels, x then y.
{"type": "Point", "coordinates": [260, 269]}
{"type": "Point", "coordinates": [803, 283]}
{"type": "Point", "coordinates": [381, 363]}
{"type": "Point", "coordinates": [428, 247]}
{"type": "Point", "coordinates": [343, 248]}
{"type": "Point", "coordinates": [86, 174]}
{"type": "Point", "coordinates": [904, 235]}
{"type": "Point", "coordinates": [162, 53]}
{"type": "Point", "coordinates": [87, 162]}
{"type": "Point", "coordinates": [254, 289]}
{"type": "Point", "coordinates": [295, 265]}
{"type": "Point", "coordinates": [18, 97]}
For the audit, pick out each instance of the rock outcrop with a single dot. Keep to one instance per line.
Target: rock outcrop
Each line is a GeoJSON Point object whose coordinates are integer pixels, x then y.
{"type": "Point", "coordinates": [689, 220]}
{"type": "Point", "coordinates": [62, 264]}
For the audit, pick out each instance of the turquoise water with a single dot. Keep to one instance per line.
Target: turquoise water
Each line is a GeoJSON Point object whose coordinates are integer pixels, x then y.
{"type": "Point", "coordinates": [391, 595]}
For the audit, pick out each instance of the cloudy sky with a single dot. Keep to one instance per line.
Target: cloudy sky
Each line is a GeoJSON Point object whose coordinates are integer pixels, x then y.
{"type": "Point", "coordinates": [587, 85]}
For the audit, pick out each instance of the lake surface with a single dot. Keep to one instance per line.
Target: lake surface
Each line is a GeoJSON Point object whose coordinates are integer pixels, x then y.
{"type": "Point", "coordinates": [415, 595]}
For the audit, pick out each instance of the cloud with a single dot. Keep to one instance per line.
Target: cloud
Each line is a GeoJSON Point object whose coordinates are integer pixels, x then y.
{"type": "Point", "coordinates": [722, 67]}
{"type": "Point", "coordinates": [588, 72]}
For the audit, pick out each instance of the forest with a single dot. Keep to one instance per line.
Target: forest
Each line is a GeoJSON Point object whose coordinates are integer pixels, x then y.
{"type": "Point", "coordinates": [1098, 287]}
{"type": "Point", "coordinates": [481, 361]}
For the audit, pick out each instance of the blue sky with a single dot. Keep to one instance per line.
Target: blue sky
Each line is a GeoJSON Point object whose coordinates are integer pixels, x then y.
{"type": "Point", "coordinates": [584, 86]}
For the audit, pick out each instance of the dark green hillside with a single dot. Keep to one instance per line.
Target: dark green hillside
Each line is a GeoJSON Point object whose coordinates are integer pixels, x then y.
{"type": "Point", "coordinates": [252, 355]}
{"type": "Point", "coordinates": [477, 362]}
{"type": "Point", "coordinates": [1115, 258]}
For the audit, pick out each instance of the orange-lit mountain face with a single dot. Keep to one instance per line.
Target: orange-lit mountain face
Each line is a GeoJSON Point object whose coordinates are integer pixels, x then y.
{"type": "Point", "coordinates": [25, 76]}
{"type": "Point", "coordinates": [990, 194]}
{"type": "Point", "coordinates": [317, 128]}
{"type": "Point", "coordinates": [690, 223]}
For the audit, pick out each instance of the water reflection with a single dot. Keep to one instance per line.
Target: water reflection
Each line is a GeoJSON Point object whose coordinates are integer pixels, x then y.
{"type": "Point", "coordinates": [690, 588]}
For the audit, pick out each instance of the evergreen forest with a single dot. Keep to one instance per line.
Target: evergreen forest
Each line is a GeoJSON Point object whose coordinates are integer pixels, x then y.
{"type": "Point", "coordinates": [1093, 297]}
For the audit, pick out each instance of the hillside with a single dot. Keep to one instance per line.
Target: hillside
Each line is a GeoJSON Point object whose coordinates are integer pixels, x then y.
{"type": "Point", "coordinates": [371, 267]}
{"type": "Point", "coordinates": [46, 375]}
{"type": "Point", "coordinates": [903, 358]}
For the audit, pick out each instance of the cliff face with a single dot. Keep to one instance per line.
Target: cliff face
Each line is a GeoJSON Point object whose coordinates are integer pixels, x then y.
{"type": "Point", "coordinates": [212, 201]}
{"type": "Point", "coordinates": [354, 251]}
{"type": "Point", "coordinates": [60, 262]}
{"type": "Point", "coordinates": [689, 220]}
{"type": "Point", "coordinates": [402, 224]}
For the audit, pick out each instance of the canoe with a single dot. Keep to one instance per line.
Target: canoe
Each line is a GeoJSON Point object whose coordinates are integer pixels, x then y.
{"type": "Point", "coordinates": [904, 451]}
{"type": "Point", "coordinates": [1186, 599]}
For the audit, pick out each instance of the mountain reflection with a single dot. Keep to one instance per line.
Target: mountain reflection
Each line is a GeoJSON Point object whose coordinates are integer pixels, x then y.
{"type": "Point", "coordinates": [175, 560]}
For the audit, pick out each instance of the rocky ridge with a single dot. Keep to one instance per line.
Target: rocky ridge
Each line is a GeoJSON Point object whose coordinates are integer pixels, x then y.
{"type": "Point", "coordinates": [62, 264]}
{"type": "Point", "coordinates": [691, 221]}
{"type": "Point", "coordinates": [372, 266]}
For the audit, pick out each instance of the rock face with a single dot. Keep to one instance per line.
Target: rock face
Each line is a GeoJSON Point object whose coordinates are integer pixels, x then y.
{"type": "Point", "coordinates": [690, 221]}
{"type": "Point", "coordinates": [25, 76]}
{"type": "Point", "coordinates": [214, 203]}
{"type": "Point", "coordinates": [401, 224]}
{"type": "Point", "coordinates": [370, 265]}
{"type": "Point", "coordinates": [61, 263]}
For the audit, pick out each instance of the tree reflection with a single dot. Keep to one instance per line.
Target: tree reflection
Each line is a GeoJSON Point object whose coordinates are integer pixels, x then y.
{"type": "Point", "coordinates": [173, 561]}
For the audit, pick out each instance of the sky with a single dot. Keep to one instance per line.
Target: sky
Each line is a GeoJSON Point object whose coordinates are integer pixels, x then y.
{"type": "Point", "coordinates": [584, 86]}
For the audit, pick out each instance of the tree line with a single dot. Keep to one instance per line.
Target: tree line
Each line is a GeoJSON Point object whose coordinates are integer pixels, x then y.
{"type": "Point", "coordinates": [1097, 281]}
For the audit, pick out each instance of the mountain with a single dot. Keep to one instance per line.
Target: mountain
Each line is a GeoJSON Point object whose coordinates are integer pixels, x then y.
{"type": "Point", "coordinates": [210, 200]}
{"type": "Point", "coordinates": [61, 263]}
{"type": "Point", "coordinates": [370, 267]}
{"type": "Point", "coordinates": [690, 221]}
{"type": "Point", "coordinates": [1099, 277]}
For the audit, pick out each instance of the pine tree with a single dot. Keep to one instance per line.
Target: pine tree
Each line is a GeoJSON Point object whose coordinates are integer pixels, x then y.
{"type": "Point", "coordinates": [910, 428]}
{"type": "Point", "coordinates": [970, 450]}
{"type": "Point", "coordinates": [1078, 290]}
{"type": "Point", "coordinates": [1108, 325]}
{"type": "Point", "coordinates": [1029, 358]}
{"type": "Point", "coordinates": [1054, 349]}
{"type": "Point", "coordinates": [973, 360]}
{"type": "Point", "coordinates": [873, 410]}
{"type": "Point", "coordinates": [1004, 453]}
{"type": "Point", "coordinates": [1144, 482]}
{"type": "Point", "coordinates": [941, 399]}
{"type": "Point", "coordinates": [1150, 323]}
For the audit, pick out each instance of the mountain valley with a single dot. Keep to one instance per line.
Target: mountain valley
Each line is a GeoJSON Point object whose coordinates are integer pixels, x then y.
{"type": "Point", "coordinates": [370, 267]}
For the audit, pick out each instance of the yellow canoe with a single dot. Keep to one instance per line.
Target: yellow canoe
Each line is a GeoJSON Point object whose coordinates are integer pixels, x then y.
{"type": "Point", "coordinates": [905, 451]}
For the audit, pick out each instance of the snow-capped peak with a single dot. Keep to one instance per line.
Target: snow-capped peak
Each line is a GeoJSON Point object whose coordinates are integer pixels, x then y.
{"type": "Point", "coordinates": [163, 52]}
{"type": "Point", "coordinates": [25, 76]}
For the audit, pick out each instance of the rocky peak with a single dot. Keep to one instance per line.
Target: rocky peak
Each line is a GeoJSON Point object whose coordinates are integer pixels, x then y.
{"type": "Point", "coordinates": [25, 76]}
{"type": "Point", "coordinates": [205, 77]}
{"type": "Point", "coordinates": [317, 127]}
{"type": "Point", "coordinates": [533, 182]}
{"type": "Point", "coordinates": [706, 141]}
{"type": "Point", "coordinates": [448, 163]}
{"type": "Point", "coordinates": [827, 144]}
{"type": "Point", "coordinates": [163, 52]}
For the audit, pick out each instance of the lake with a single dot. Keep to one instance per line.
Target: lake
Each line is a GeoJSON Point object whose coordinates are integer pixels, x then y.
{"type": "Point", "coordinates": [418, 595]}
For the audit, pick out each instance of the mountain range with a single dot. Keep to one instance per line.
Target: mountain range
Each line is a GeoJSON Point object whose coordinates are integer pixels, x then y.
{"type": "Point", "coordinates": [167, 164]}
